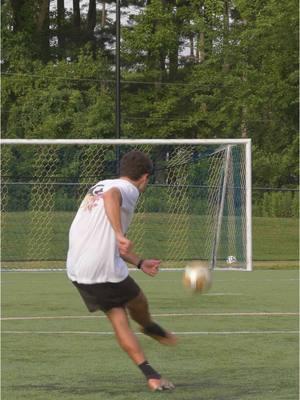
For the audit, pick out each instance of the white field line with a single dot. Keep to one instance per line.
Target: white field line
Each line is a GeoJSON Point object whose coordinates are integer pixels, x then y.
{"type": "Point", "coordinates": [51, 270]}
{"type": "Point", "coordinates": [222, 294]}
{"type": "Point", "coordinates": [7, 269]}
{"type": "Point", "coordinates": [227, 269]}
{"type": "Point", "coordinates": [241, 314]}
{"type": "Point", "coordinates": [196, 333]}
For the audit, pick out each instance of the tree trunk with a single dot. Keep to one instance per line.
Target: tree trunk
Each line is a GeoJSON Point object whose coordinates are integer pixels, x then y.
{"type": "Point", "coordinates": [226, 19]}
{"type": "Point", "coordinates": [42, 21]}
{"type": "Point", "coordinates": [200, 38]}
{"type": "Point", "coordinates": [173, 60]}
{"type": "Point", "coordinates": [103, 14]}
{"type": "Point", "coordinates": [200, 50]}
{"type": "Point", "coordinates": [61, 25]}
{"type": "Point", "coordinates": [226, 64]}
{"type": "Point", "coordinates": [209, 23]}
{"type": "Point", "coordinates": [76, 15]}
{"type": "Point", "coordinates": [91, 18]}
{"type": "Point", "coordinates": [191, 46]}
{"type": "Point", "coordinates": [162, 65]}
{"type": "Point", "coordinates": [18, 20]}
{"type": "Point", "coordinates": [42, 25]}
{"type": "Point", "coordinates": [244, 129]}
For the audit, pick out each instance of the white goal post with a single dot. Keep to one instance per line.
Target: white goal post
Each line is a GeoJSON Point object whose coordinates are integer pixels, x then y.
{"type": "Point", "coordinates": [201, 192]}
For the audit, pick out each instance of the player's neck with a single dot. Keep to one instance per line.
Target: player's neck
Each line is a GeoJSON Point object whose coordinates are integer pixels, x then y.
{"type": "Point", "coordinates": [139, 184]}
{"type": "Point", "coordinates": [135, 183]}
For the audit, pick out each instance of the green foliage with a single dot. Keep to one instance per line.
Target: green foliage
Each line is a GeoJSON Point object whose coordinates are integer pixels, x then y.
{"type": "Point", "coordinates": [190, 68]}
{"type": "Point", "coordinates": [277, 204]}
{"type": "Point", "coordinates": [276, 169]}
{"type": "Point", "coordinates": [61, 99]}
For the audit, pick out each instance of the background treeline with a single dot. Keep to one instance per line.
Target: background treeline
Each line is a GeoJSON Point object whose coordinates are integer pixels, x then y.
{"type": "Point", "coordinates": [190, 68]}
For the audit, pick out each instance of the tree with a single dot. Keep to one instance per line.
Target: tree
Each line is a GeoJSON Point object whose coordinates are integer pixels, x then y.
{"type": "Point", "coordinates": [61, 25]}
{"type": "Point", "coordinates": [190, 68]}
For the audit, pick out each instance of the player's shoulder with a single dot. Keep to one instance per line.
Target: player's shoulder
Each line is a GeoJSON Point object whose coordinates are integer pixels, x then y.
{"type": "Point", "coordinates": [127, 190]}
{"type": "Point", "coordinates": [121, 184]}
{"type": "Point", "coordinates": [107, 183]}
{"type": "Point", "coordinates": [101, 186]}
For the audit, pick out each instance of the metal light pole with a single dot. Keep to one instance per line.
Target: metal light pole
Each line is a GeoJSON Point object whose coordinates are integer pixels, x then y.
{"type": "Point", "coordinates": [118, 94]}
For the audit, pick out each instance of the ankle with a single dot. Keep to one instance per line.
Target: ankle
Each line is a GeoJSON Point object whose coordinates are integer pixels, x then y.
{"type": "Point", "coordinates": [155, 329]}
{"type": "Point", "coordinates": [148, 371]}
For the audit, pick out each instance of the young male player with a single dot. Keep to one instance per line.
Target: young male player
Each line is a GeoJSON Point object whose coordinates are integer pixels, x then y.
{"type": "Point", "coordinates": [98, 250]}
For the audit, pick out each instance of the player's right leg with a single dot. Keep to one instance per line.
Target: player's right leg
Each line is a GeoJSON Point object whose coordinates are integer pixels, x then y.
{"type": "Point", "coordinates": [129, 343]}
{"type": "Point", "coordinates": [125, 336]}
{"type": "Point", "coordinates": [139, 311]}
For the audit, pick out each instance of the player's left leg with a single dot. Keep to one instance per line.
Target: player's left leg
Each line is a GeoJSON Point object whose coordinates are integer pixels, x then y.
{"type": "Point", "coordinates": [139, 311]}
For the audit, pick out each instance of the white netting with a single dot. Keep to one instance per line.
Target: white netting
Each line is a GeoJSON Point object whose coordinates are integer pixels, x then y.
{"type": "Point", "coordinates": [91, 168]}
{"type": "Point", "coordinates": [194, 207]}
{"type": "Point", "coordinates": [178, 164]}
{"type": "Point", "coordinates": [226, 216]}
{"type": "Point", "coordinates": [215, 179]}
{"type": "Point", "coordinates": [5, 160]}
{"type": "Point", "coordinates": [42, 203]}
{"type": "Point", "coordinates": [137, 229]}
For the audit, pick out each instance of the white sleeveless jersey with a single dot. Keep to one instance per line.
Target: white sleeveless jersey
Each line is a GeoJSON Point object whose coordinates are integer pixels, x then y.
{"type": "Point", "coordinates": [93, 255]}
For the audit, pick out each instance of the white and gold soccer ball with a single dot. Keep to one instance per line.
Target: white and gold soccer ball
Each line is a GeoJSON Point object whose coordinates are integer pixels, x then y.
{"type": "Point", "coordinates": [197, 277]}
{"type": "Point", "coordinates": [231, 260]}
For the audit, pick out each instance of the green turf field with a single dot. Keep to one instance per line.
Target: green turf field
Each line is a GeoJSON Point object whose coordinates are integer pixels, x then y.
{"type": "Point", "coordinates": [237, 342]}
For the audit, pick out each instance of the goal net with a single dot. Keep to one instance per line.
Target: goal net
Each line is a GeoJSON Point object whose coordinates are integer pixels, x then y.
{"type": "Point", "coordinates": [197, 205]}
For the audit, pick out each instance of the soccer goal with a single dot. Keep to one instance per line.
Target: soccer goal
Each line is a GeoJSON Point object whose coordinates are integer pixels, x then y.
{"type": "Point", "coordinates": [197, 205]}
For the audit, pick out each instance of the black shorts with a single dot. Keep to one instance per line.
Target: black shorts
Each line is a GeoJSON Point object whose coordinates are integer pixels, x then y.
{"type": "Point", "coordinates": [104, 296]}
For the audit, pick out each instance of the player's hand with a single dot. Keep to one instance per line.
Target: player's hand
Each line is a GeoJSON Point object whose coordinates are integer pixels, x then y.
{"type": "Point", "coordinates": [150, 267]}
{"type": "Point", "coordinates": [124, 245]}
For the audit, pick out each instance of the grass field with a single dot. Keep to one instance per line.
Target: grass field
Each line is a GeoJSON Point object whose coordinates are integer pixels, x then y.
{"type": "Point", "coordinates": [237, 342]}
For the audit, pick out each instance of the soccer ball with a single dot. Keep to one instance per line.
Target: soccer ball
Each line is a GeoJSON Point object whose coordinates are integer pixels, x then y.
{"type": "Point", "coordinates": [231, 260]}
{"type": "Point", "coordinates": [197, 277]}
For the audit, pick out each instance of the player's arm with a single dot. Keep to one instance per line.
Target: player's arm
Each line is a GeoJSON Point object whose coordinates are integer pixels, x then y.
{"type": "Point", "coordinates": [112, 204]}
{"type": "Point", "coordinates": [148, 266]}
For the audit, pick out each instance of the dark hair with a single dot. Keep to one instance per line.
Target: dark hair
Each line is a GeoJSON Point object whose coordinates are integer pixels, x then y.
{"type": "Point", "coordinates": [134, 164]}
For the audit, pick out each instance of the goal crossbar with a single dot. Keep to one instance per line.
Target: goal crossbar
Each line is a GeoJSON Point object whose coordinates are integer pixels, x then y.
{"type": "Point", "coordinates": [125, 141]}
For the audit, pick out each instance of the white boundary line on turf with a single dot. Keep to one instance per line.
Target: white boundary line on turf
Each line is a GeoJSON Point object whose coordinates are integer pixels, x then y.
{"type": "Point", "coordinates": [129, 269]}
{"type": "Point", "coordinates": [241, 314]}
{"type": "Point", "coordinates": [12, 270]}
{"type": "Point", "coordinates": [196, 333]}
